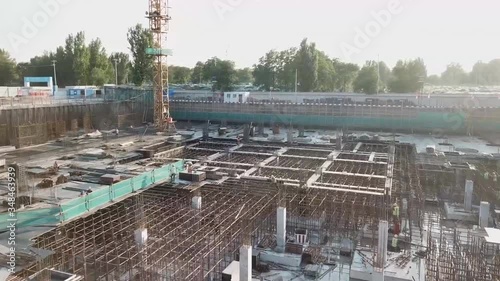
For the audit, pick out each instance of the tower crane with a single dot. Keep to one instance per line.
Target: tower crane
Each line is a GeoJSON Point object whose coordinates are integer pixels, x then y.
{"type": "Point", "coordinates": [159, 18]}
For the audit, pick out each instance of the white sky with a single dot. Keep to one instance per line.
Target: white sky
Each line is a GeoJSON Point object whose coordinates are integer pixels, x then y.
{"type": "Point", "coordinates": [440, 31]}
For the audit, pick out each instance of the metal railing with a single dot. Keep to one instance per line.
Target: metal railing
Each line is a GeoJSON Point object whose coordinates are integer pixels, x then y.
{"type": "Point", "coordinates": [27, 102]}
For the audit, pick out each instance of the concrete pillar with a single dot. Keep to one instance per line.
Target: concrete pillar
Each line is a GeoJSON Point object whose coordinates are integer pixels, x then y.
{"type": "Point", "coordinates": [301, 132]}
{"type": "Point", "coordinates": [205, 133]}
{"type": "Point", "coordinates": [289, 136]}
{"type": "Point", "coordinates": [246, 133]}
{"type": "Point", "coordinates": [246, 263]}
{"type": "Point", "coordinates": [378, 275]}
{"type": "Point", "coordinates": [260, 129]}
{"type": "Point", "coordinates": [338, 141]}
{"type": "Point", "coordinates": [484, 214]}
{"type": "Point", "coordinates": [469, 188]}
{"type": "Point", "coordinates": [196, 202]}
{"type": "Point", "coordinates": [141, 237]}
{"type": "Point", "coordinates": [281, 229]}
{"type": "Point", "coordinates": [383, 236]}
{"type": "Point", "coordinates": [276, 129]}
{"type": "Point", "coordinates": [404, 206]}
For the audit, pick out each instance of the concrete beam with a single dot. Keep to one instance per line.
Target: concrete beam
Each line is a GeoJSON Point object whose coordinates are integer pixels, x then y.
{"type": "Point", "coordinates": [354, 174]}
{"type": "Point", "coordinates": [349, 188]}
{"type": "Point", "coordinates": [372, 157]}
{"type": "Point", "coordinates": [358, 146]}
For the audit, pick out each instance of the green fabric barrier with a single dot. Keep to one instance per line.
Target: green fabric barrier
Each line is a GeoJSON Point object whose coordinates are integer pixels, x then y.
{"type": "Point", "coordinates": [73, 208]}
{"type": "Point", "coordinates": [451, 122]}
{"type": "Point", "coordinates": [99, 198]}
{"type": "Point", "coordinates": [26, 218]}
{"type": "Point", "coordinates": [122, 188]}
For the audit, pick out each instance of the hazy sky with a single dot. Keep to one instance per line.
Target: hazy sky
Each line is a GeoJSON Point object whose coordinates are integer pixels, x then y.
{"type": "Point", "coordinates": [440, 31]}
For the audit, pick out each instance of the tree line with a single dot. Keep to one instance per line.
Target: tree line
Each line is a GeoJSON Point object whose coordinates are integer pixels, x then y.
{"type": "Point", "coordinates": [303, 68]}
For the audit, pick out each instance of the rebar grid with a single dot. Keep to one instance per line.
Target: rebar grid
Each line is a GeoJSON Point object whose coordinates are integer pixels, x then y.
{"type": "Point", "coordinates": [242, 158]}
{"type": "Point", "coordinates": [189, 244]}
{"type": "Point", "coordinates": [297, 162]}
{"type": "Point", "coordinates": [283, 173]}
{"type": "Point", "coordinates": [183, 243]}
{"type": "Point", "coordinates": [459, 254]}
{"type": "Point", "coordinates": [358, 168]}
{"type": "Point", "coordinates": [308, 153]}
{"type": "Point", "coordinates": [258, 148]}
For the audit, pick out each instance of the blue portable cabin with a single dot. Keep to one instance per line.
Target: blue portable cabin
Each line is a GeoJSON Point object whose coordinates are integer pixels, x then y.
{"type": "Point", "coordinates": [81, 91]}
{"type": "Point", "coordinates": [171, 93]}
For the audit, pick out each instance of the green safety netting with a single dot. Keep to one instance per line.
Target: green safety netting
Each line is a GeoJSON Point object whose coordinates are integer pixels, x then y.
{"type": "Point", "coordinates": [98, 198]}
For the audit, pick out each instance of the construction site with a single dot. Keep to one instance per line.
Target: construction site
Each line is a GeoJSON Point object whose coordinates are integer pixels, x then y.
{"type": "Point", "coordinates": [217, 203]}
{"type": "Point", "coordinates": [139, 187]}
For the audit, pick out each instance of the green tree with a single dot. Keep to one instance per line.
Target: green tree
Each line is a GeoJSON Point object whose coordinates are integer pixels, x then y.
{"type": "Point", "coordinates": [140, 39]}
{"type": "Point", "coordinates": [367, 79]}
{"type": "Point", "coordinates": [479, 74]}
{"type": "Point", "coordinates": [286, 68]}
{"type": "Point", "coordinates": [384, 75]}
{"type": "Point", "coordinates": [244, 76]}
{"type": "Point", "coordinates": [493, 76]}
{"type": "Point", "coordinates": [8, 69]}
{"type": "Point", "coordinates": [179, 74]}
{"type": "Point", "coordinates": [264, 72]}
{"type": "Point", "coordinates": [81, 60]}
{"type": "Point", "coordinates": [346, 73]}
{"type": "Point", "coordinates": [197, 73]}
{"type": "Point", "coordinates": [307, 66]}
{"type": "Point", "coordinates": [64, 62]}
{"type": "Point", "coordinates": [221, 73]}
{"type": "Point", "coordinates": [101, 70]}
{"type": "Point", "coordinates": [326, 74]}
{"type": "Point", "coordinates": [454, 75]}
{"type": "Point", "coordinates": [434, 80]}
{"type": "Point", "coordinates": [122, 65]}
{"type": "Point", "coordinates": [408, 76]}
{"type": "Point", "coordinates": [38, 66]}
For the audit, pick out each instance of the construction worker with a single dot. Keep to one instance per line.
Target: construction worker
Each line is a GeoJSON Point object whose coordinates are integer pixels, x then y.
{"type": "Point", "coordinates": [394, 244]}
{"type": "Point", "coordinates": [395, 211]}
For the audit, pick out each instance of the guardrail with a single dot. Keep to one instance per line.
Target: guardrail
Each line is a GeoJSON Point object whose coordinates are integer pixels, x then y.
{"type": "Point", "coordinates": [23, 102]}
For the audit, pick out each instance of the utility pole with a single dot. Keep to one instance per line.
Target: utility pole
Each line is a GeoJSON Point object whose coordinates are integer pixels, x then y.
{"type": "Point", "coordinates": [378, 74]}
{"type": "Point", "coordinates": [116, 71]}
{"type": "Point", "coordinates": [296, 78]}
{"type": "Point", "coordinates": [296, 84]}
{"type": "Point", "coordinates": [55, 77]}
